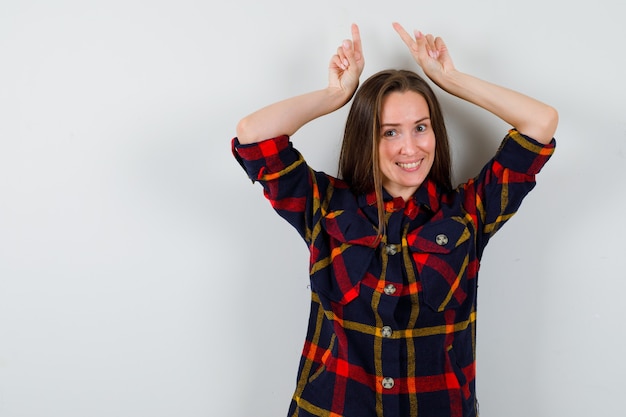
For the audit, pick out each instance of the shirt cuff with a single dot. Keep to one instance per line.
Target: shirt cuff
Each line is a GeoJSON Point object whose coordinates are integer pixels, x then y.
{"type": "Point", "coordinates": [268, 156]}
{"type": "Point", "coordinates": [521, 153]}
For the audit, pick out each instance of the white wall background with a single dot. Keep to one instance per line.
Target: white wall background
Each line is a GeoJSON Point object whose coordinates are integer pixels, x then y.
{"type": "Point", "coordinates": [141, 274]}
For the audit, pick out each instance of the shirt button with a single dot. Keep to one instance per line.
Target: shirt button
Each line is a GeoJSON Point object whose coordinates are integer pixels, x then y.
{"type": "Point", "coordinates": [388, 383]}
{"type": "Point", "coordinates": [391, 249]}
{"type": "Point", "coordinates": [389, 289]}
{"type": "Point", "coordinates": [386, 331]}
{"type": "Point", "coordinates": [441, 239]}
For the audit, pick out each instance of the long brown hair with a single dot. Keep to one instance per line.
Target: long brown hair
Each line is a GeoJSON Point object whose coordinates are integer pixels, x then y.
{"type": "Point", "coordinates": [359, 159]}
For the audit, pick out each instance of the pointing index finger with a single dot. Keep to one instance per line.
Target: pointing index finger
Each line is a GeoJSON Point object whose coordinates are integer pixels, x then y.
{"type": "Point", "coordinates": [408, 39]}
{"type": "Point", "coordinates": [356, 38]}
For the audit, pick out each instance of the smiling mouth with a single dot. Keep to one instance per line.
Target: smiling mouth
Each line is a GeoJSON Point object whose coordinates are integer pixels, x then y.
{"type": "Point", "coordinates": [411, 165]}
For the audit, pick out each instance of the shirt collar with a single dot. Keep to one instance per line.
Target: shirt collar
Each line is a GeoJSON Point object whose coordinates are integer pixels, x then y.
{"type": "Point", "coordinates": [427, 195]}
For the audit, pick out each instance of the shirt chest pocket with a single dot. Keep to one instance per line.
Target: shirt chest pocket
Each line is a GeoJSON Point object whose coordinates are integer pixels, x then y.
{"type": "Point", "coordinates": [442, 254]}
{"type": "Point", "coordinates": [341, 254]}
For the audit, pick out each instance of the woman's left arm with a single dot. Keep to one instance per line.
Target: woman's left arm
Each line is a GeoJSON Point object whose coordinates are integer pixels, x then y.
{"type": "Point", "coordinates": [526, 114]}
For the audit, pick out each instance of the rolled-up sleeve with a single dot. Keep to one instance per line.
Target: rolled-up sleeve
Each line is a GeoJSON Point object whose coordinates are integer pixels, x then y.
{"type": "Point", "coordinates": [284, 175]}
{"type": "Point", "coordinates": [495, 195]}
{"type": "Point", "coordinates": [523, 154]}
{"type": "Point", "coordinates": [268, 157]}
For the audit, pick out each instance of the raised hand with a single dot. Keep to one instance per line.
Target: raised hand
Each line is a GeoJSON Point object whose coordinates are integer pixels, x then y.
{"type": "Point", "coordinates": [347, 64]}
{"type": "Point", "coordinates": [430, 52]}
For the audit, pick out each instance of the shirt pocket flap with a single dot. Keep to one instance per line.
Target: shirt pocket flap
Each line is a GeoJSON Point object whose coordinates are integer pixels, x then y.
{"type": "Point", "coordinates": [441, 236]}
{"type": "Point", "coordinates": [352, 228]}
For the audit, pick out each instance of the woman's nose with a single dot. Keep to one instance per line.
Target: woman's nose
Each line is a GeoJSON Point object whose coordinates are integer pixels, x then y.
{"type": "Point", "coordinates": [410, 145]}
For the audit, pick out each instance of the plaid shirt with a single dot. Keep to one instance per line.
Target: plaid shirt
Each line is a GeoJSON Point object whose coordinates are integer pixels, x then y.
{"type": "Point", "coordinates": [392, 327]}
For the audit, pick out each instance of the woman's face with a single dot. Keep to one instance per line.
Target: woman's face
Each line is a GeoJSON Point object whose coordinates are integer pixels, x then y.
{"type": "Point", "coordinates": [407, 143]}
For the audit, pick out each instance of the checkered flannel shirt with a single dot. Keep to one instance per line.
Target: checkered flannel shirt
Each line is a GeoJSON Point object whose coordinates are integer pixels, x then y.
{"type": "Point", "coordinates": [392, 327]}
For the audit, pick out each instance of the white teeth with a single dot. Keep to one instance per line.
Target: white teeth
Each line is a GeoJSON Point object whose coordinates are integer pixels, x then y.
{"type": "Point", "coordinates": [412, 165]}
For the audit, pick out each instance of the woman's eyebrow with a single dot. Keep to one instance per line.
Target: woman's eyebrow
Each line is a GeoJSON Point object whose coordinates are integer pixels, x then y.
{"type": "Point", "coordinates": [398, 124]}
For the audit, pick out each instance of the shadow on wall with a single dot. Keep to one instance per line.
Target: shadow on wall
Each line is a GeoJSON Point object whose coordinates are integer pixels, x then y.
{"type": "Point", "coordinates": [474, 136]}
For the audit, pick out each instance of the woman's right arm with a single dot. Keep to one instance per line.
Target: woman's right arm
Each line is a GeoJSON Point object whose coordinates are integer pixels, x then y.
{"type": "Point", "coordinates": [287, 116]}
{"type": "Point", "coordinates": [526, 114]}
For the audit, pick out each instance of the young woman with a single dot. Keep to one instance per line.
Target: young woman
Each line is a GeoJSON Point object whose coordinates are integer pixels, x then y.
{"type": "Point", "coordinates": [394, 248]}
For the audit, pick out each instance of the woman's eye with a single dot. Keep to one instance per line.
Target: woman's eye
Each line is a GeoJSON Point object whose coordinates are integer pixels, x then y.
{"type": "Point", "coordinates": [390, 133]}
{"type": "Point", "coordinates": [421, 128]}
